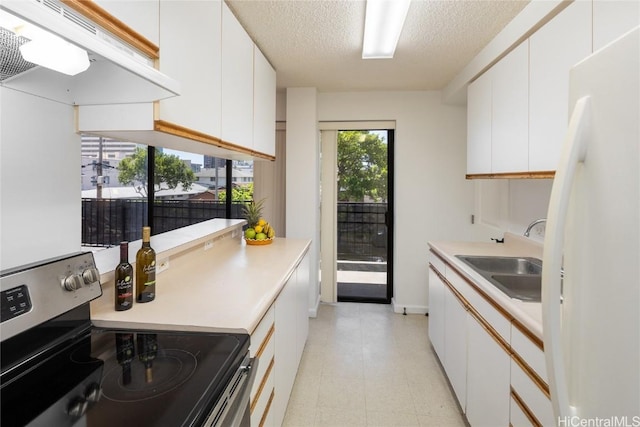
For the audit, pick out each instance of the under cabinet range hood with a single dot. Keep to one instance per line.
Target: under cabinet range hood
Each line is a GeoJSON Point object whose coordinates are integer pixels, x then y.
{"type": "Point", "coordinates": [117, 73]}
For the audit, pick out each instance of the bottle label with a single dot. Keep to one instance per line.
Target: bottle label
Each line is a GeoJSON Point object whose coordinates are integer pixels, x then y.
{"type": "Point", "coordinates": [124, 288]}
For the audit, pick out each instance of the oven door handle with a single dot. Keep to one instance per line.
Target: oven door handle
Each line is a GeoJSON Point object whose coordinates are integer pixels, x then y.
{"type": "Point", "coordinates": [234, 404]}
{"type": "Point", "coordinates": [240, 400]}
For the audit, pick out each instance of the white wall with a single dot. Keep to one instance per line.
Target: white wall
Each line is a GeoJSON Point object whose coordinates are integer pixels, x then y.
{"type": "Point", "coordinates": [302, 179]}
{"type": "Point", "coordinates": [39, 179]}
{"type": "Point", "coordinates": [433, 201]}
{"type": "Point", "coordinates": [510, 205]}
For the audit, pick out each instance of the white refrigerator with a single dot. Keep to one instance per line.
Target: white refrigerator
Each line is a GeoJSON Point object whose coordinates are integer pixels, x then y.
{"type": "Point", "coordinates": [592, 334]}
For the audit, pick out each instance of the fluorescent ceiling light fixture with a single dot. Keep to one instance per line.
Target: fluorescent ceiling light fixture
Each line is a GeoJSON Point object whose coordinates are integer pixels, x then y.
{"type": "Point", "coordinates": [46, 49]}
{"type": "Point", "coordinates": [383, 24]}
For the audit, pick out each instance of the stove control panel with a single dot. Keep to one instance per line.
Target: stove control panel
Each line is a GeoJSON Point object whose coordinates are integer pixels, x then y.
{"type": "Point", "coordinates": [35, 293]}
{"type": "Point", "coordinates": [15, 302]}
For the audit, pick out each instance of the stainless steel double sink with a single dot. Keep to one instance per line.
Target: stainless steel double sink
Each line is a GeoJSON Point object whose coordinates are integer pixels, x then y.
{"type": "Point", "coordinates": [518, 277]}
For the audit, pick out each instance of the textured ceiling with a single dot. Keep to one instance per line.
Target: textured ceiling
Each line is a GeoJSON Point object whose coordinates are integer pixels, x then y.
{"type": "Point", "coordinates": [318, 43]}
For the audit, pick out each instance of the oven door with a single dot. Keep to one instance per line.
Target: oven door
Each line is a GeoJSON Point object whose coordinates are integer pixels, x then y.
{"type": "Point", "coordinates": [233, 408]}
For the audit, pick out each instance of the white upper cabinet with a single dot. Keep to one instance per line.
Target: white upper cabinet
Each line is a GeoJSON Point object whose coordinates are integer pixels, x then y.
{"type": "Point", "coordinates": [510, 111]}
{"type": "Point", "coordinates": [553, 50]}
{"type": "Point", "coordinates": [237, 82]}
{"type": "Point", "coordinates": [613, 18]}
{"type": "Point", "coordinates": [190, 36]}
{"type": "Point", "coordinates": [142, 16]}
{"type": "Point", "coordinates": [264, 105]}
{"type": "Point", "coordinates": [498, 116]}
{"type": "Point", "coordinates": [479, 125]}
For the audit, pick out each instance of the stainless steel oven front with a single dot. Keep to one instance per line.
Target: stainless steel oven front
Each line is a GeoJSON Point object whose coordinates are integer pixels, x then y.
{"type": "Point", "coordinates": [58, 369]}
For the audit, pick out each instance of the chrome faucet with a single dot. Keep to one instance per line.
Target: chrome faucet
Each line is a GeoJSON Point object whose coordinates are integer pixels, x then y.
{"type": "Point", "coordinates": [533, 224]}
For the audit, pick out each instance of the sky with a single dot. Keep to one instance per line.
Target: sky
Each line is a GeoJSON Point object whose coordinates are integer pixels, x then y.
{"type": "Point", "coordinates": [199, 158]}
{"type": "Point", "coordinates": [195, 158]}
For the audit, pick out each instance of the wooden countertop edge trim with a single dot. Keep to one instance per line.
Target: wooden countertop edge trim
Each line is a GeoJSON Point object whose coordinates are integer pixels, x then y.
{"type": "Point", "coordinates": [524, 408]}
{"type": "Point", "coordinates": [267, 408]}
{"type": "Point", "coordinates": [475, 287]}
{"type": "Point", "coordinates": [98, 15]}
{"type": "Point", "coordinates": [256, 398]}
{"type": "Point", "coordinates": [476, 315]}
{"type": "Point", "coordinates": [528, 370]}
{"type": "Point", "coordinates": [265, 341]}
{"type": "Point", "coordinates": [184, 132]}
{"type": "Point", "coordinates": [512, 175]}
{"type": "Point", "coordinates": [521, 327]}
{"type": "Point", "coordinates": [535, 378]}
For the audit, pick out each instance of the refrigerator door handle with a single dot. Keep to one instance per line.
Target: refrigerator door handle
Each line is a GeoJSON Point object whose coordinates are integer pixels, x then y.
{"type": "Point", "coordinates": [574, 152]}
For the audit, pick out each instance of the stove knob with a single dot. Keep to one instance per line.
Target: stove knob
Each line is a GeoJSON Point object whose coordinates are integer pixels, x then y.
{"type": "Point", "coordinates": [90, 275]}
{"type": "Point", "coordinates": [72, 282]}
{"type": "Point", "coordinates": [77, 408]}
{"type": "Point", "coordinates": [93, 393]}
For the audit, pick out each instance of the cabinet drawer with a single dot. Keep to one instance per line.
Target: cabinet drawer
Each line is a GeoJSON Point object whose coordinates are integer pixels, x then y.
{"type": "Point", "coordinates": [262, 331]}
{"type": "Point", "coordinates": [531, 395]}
{"type": "Point", "coordinates": [437, 262]}
{"type": "Point", "coordinates": [264, 361]}
{"type": "Point", "coordinates": [517, 417]}
{"type": "Point", "coordinates": [529, 352]}
{"type": "Point", "coordinates": [499, 322]}
{"type": "Point", "coordinates": [262, 404]}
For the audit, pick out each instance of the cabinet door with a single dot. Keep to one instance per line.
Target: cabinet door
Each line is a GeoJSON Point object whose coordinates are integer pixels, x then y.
{"type": "Point", "coordinates": [455, 345]}
{"type": "Point", "coordinates": [142, 16]}
{"type": "Point", "coordinates": [191, 53]}
{"type": "Point", "coordinates": [237, 82]}
{"type": "Point", "coordinates": [302, 305]}
{"type": "Point", "coordinates": [436, 313]}
{"type": "Point", "coordinates": [613, 18]}
{"type": "Point", "coordinates": [553, 50]}
{"type": "Point", "coordinates": [264, 105]}
{"type": "Point", "coordinates": [488, 373]}
{"type": "Point", "coordinates": [510, 112]}
{"type": "Point", "coordinates": [285, 367]}
{"type": "Point", "coordinates": [479, 125]}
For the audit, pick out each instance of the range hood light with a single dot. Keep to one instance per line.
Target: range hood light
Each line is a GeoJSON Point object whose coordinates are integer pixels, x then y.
{"type": "Point", "coordinates": [46, 49]}
{"type": "Point", "coordinates": [57, 55]}
{"type": "Point", "coordinates": [383, 24]}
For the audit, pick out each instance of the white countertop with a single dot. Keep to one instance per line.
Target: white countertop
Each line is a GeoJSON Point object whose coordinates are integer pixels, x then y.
{"type": "Point", "coordinates": [529, 314]}
{"type": "Point", "coordinates": [224, 289]}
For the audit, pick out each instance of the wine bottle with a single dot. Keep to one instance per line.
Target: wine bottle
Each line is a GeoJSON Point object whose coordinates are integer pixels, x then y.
{"type": "Point", "coordinates": [146, 269]}
{"type": "Point", "coordinates": [124, 280]}
{"type": "Point", "coordinates": [124, 354]}
{"type": "Point", "coordinates": [147, 351]}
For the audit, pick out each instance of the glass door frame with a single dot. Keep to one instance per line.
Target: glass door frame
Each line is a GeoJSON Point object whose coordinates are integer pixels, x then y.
{"type": "Point", "coordinates": [328, 208]}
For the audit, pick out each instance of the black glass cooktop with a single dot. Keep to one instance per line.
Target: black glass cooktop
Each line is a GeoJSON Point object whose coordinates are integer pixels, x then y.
{"type": "Point", "coordinates": [125, 378]}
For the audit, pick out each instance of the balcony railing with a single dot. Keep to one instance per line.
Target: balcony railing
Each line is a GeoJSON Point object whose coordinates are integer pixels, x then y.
{"type": "Point", "coordinates": [362, 232]}
{"type": "Point", "coordinates": [107, 222]}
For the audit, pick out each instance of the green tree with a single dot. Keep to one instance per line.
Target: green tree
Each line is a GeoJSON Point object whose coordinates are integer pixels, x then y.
{"type": "Point", "coordinates": [362, 166]}
{"type": "Point", "coordinates": [241, 193]}
{"type": "Point", "coordinates": [169, 172]}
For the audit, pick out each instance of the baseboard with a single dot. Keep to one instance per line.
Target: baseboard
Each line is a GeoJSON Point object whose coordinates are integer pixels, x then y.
{"type": "Point", "coordinates": [313, 311]}
{"type": "Point", "coordinates": [410, 309]}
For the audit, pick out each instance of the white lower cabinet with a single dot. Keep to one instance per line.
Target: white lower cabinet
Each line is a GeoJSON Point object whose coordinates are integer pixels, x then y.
{"type": "Point", "coordinates": [436, 312]}
{"type": "Point", "coordinates": [496, 370]}
{"type": "Point", "coordinates": [488, 378]}
{"type": "Point", "coordinates": [292, 329]}
{"type": "Point", "coordinates": [518, 416]}
{"type": "Point", "coordinates": [532, 396]}
{"type": "Point", "coordinates": [278, 341]}
{"type": "Point", "coordinates": [263, 348]}
{"type": "Point", "coordinates": [455, 345]}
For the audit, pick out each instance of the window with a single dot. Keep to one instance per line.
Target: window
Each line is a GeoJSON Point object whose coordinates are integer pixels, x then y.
{"type": "Point", "coordinates": [116, 193]}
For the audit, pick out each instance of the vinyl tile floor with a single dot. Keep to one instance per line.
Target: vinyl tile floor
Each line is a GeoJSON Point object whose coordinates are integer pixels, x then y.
{"type": "Point", "coordinates": [364, 365]}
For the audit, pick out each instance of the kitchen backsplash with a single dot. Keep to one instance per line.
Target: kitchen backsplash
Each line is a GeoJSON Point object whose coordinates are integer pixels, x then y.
{"type": "Point", "coordinates": [510, 205]}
